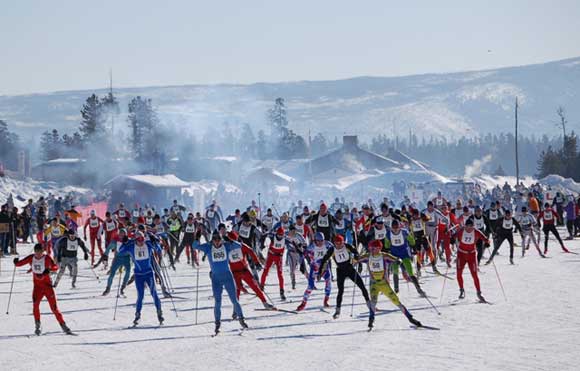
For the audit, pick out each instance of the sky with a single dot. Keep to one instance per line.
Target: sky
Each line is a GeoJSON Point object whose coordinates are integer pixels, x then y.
{"type": "Point", "coordinates": [70, 45]}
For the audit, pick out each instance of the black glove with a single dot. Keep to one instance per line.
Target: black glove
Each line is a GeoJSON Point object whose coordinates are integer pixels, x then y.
{"type": "Point", "coordinates": [359, 268]}
{"type": "Point", "coordinates": [15, 261]}
{"type": "Point", "coordinates": [86, 256]}
{"type": "Point", "coordinates": [303, 268]}
{"type": "Point", "coordinates": [46, 271]}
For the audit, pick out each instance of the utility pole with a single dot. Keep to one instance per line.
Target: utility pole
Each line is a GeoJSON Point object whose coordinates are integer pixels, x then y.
{"type": "Point", "coordinates": [111, 96]}
{"type": "Point", "coordinates": [516, 139]}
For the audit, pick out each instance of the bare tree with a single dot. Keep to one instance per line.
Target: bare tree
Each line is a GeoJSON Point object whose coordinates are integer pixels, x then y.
{"type": "Point", "coordinates": [562, 124]}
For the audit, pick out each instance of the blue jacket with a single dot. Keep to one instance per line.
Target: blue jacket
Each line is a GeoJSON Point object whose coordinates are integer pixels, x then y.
{"type": "Point", "coordinates": [141, 256]}
{"type": "Point", "coordinates": [218, 258]}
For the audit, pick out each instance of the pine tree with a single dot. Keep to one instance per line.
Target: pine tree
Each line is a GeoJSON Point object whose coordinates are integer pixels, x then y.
{"type": "Point", "coordinates": [247, 142]}
{"type": "Point", "coordinates": [145, 136]}
{"type": "Point", "coordinates": [50, 145]}
{"type": "Point", "coordinates": [92, 127]}
{"type": "Point", "coordinates": [9, 144]}
{"type": "Point", "coordinates": [262, 145]}
{"type": "Point", "coordinates": [319, 145]}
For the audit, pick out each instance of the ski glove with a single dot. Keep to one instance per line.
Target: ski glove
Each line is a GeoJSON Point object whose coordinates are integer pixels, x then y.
{"type": "Point", "coordinates": [15, 261]}
{"type": "Point", "coordinates": [86, 256]}
{"type": "Point", "coordinates": [46, 271]}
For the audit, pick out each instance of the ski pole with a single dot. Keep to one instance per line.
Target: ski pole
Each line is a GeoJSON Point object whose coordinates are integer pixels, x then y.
{"type": "Point", "coordinates": [499, 280]}
{"type": "Point", "coordinates": [164, 269]}
{"type": "Point", "coordinates": [118, 294]}
{"type": "Point", "coordinates": [443, 287]}
{"type": "Point", "coordinates": [11, 286]}
{"type": "Point", "coordinates": [196, 294]}
{"type": "Point", "coordinates": [353, 291]}
{"type": "Point", "coordinates": [94, 273]}
{"type": "Point", "coordinates": [260, 205]}
{"type": "Point", "coordinates": [430, 303]}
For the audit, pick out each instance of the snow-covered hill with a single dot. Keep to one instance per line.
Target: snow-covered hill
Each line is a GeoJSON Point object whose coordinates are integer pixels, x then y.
{"type": "Point", "coordinates": [432, 104]}
{"type": "Point", "coordinates": [535, 329]}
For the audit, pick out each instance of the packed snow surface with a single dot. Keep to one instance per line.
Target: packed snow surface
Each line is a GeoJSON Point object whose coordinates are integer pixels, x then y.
{"type": "Point", "coordinates": [535, 329]}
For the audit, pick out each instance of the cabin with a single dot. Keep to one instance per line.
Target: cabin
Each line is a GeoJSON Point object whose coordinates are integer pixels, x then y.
{"type": "Point", "coordinates": [159, 190]}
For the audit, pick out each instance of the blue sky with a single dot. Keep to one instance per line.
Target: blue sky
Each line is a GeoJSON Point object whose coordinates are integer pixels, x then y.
{"type": "Point", "coordinates": [65, 45]}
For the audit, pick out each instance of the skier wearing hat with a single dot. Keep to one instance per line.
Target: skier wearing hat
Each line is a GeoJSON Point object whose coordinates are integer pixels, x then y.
{"type": "Point", "coordinates": [95, 229]}
{"type": "Point", "coordinates": [67, 249]}
{"type": "Point", "coordinates": [217, 252]}
{"type": "Point", "coordinates": [275, 254]}
{"type": "Point", "coordinates": [314, 254]}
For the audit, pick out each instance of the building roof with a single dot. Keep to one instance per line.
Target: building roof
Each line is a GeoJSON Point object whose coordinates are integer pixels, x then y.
{"type": "Point", "coordinates": [263, 173]}
{"type": "Point", "coordinates": [155, 181]}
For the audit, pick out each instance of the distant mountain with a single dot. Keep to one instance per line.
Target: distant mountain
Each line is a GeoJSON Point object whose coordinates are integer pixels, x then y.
{"type": "Point", "coordinates": [448, 105]}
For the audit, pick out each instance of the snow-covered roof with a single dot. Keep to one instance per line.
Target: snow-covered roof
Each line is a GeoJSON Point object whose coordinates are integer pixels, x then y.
{"type": "Point", "coordinates": [156, 181]}
{"type": "Point", "coordinates": [265, 171]}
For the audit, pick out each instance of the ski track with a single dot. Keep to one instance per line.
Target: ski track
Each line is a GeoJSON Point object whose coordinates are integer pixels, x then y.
{"type": "Point", "coordinates": [536, 329]}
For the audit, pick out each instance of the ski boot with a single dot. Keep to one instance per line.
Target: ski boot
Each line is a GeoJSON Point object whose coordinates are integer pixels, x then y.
{"type": "Point", "coordinates": [565, 249]}
{"type": "Point", "coordinates": [545, 251]}
{"type": "Point", "coordinates": [325, 303]}
{"type": "Point", "coordinates": [301, 306]}
{"type": "Point", "coordinates": [371, 321]}
{"type": "Point", "coordinates": [73, 285]}
{"type": "Point", "coordinates": [481, 298]}
{"type": "Point", "coordinates": [512, 261]}
{"type": "Point", "coordinates": [411, 319]}
{"type": "Point", "coordinates": [123, 290]}
{"type": "Point", "coordinates": [234, 316]}
{"type": "Point", "coordinates": [461, 294]}
{"type": "Point", "coordinates": [435, 270]}
{"type": "Point", "coordinates": [137, 318]}
{"type": "Point", "coordinates": [243, 323]}
{"type": "Point", "coordinates": [65, 329]}
{"type": "Point", "coordinates": [160, 316]}
{"type": "Point", "coordinates": [217, 327]}
{"type": "Point", "coordinates": [336, 313]}
{"type": "Point", "coordinates": [268, 306]}
{"type": "Point", "coordinates": [37, 328]}
{"type": "Point", "coordinates": [488, 262]}
{"type": "Point", "coordinates": [107, 291]}
{"type": "Point", "coordinates": [282, 296]}
{"type": "Point", "coordinates": [396, 283]}
{"type": "Point", "coordinates": [293, 285]}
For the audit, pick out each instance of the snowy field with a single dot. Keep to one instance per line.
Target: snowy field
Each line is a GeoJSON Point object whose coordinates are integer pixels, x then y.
{"type": "Point", "coordinates": [536, 329]}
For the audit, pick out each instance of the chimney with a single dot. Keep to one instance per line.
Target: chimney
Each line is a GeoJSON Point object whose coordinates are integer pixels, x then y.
{"type": "Point", "coordinates": [350, 141]}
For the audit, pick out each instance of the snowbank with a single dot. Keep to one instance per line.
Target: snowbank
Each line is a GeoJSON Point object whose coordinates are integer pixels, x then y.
{"type": "Point", "coordinates": [22, 190]}
{"type": "Point", "coordinates": [559, 182]}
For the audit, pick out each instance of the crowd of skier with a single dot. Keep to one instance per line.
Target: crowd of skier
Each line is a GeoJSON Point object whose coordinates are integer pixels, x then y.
{"type": "Point", "coordinates": [374, 246]}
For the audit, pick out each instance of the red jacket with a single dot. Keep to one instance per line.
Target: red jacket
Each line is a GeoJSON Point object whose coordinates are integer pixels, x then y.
{"type": "Point", "coordinates": [237, 258]}
{"type": "Point", "coordinates": [38, 266]}
{"type": "Point", "coordinates": [467, 241]}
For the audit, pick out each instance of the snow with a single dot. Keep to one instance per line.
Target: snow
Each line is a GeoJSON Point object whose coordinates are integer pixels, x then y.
{"type": "Point", "coordinates": [25, 189]}
{"type": "Point", "coordinates": [559, 182]}
{"type": "Point", "coordinates": [535, 329]}
{"type": "Point", "coordinates": [157, 181]}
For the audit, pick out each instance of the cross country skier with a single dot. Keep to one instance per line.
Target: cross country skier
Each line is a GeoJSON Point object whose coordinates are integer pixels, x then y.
{"type": "Point", "coordinates": [343, 254]}
{"type": "Point", "coordinates": [468, 236]}
{"type": "Point", "coordinates": [446, 227]}
{"type": "Point", "coordinates": [67, 256]}
{"type": "Point", "coordinates": [119, 261]}
{"type": "Point", "coordinates": [42, 265]}
{"type": "Point", "coordinates": [296, 253]}
{"type": "Point", "coordinates": [504, 232]}
{"type": "Point", "coordinates": [111, 228]}
{"type": "Point", "coordinates": [221, 276]}
{"type": "Point", "coordinates": [55, 232]}
{"type": "Point", "coordinates": [399, 241]}
{"type": "Point", "coordinates": [95, 229]}
{"type": "Point", "coordinates": [547, 217]}
{"type": "Point", "coordinates": [314, 254]}
{"type": "Point", "coordinates": [323, 222]}
{"type": "Point", "coordinates": [275, 254]}
{"type": "Point", "coordinates": [482, 224]}
{"type": "Point", "coordinates": [431, 226]}
{"type": "Point", "coordinates": [422, 245]}
{"type": "Point", "coordinates": [378, 262]}
{"type": "Point", "coordinates": [528, 223]}
{"type": "Point", "coordinates": [141, 253]}
{"type": "Point", "coordinates": [238, 258]}
{"type": "Point", "coordinates": [190, 234]}
{"type": "Point", "coordinates": [251, 236]}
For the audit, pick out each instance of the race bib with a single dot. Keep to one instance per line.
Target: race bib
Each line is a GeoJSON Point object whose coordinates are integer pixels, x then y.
{"type": "Point", "coordinates": [493, 215]}
{"type": "Point", "coordinates": [189, 228]}
{"type": "Point", "coordinates": [468, 238]}
{"type": "Point", "coordinates": [279, 245]}
{"type": "Point", "coordinates": [159, 228]}
{"type": "Point", "coordinates": [479, 224]}
{"type": "Point", "coordinates": [149, 221]}
{"type": "Point", "coordinates": [218, 254]}
{"type": "Point", "coordinates": [236, 256]}
{"type": "Point", "coordinates": [110, 226]}
{"type": "Point", "coordinates": [376, 264]}
{"type": "Point", "coordinates": [122, 213]}
{"type": "Point", "coordinates": [210, 214]}
{"type": "Point", "coordinates": [38, 265]}
{"type": "Point", "coordinates": [319, 252]}
{"type": "Point", "coordinates": [548, 215]}
{"type": "Point", "coordinates": [56, 232]}
{"type": "Point", "coordinates": [135, 213]}
{"type": "Point", "coordinates": [323, 221]}
{"type": "Point", "coordinates": [245, 231]}
{"type": "Point", "coordinates": [417, 225]}
{"type": "Point", "coordinates": [507, 224]}
{"type": "Point", "coordinates": [300, 229]}
{"type": "Point", "coordinates": [94, 223]}
{"type": "Point", "coordinates": [438, 201]}
{"type": "Point", "coordinates": [380, 234]}
{"type": "Point", "coordinates": [340, 224]}
{"type": "Point", "coordinates": [397, 239]}
{"type": "Point", "coordinates": [341, 255]}
{"type": "Point", "coordinates": [72, 245]}
{"type": "Point", "coordinates": [141, 252]}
